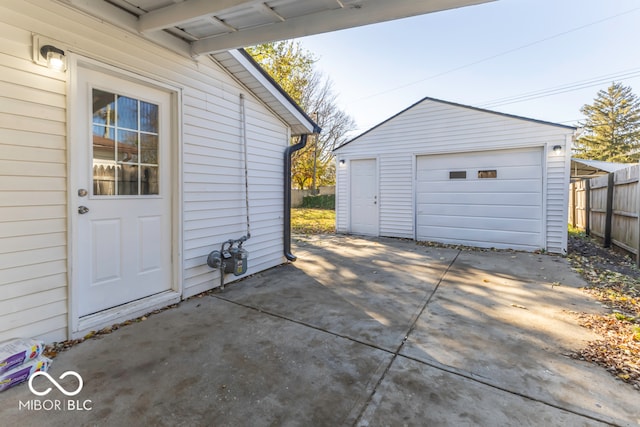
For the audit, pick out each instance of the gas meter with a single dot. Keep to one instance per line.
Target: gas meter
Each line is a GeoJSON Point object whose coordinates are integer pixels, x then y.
{"type": "Point", "coordinates": [231, 258]}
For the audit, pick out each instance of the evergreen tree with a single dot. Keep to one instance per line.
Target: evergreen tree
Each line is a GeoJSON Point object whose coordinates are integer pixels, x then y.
{"type": "Point", "coordinates": [612, 126]}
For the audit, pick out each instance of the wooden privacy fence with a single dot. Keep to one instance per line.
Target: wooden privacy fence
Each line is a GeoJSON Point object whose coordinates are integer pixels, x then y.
{"type": "Point", "coordinates": [607, 207]}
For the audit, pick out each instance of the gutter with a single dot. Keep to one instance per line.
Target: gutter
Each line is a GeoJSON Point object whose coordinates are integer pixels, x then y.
{"type": "Point", "coordinates": [287, 195]}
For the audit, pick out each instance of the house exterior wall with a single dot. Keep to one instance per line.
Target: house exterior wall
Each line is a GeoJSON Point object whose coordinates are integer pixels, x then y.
{"type": "Point", "coordinates": [35, 263]}
{"type": "Point", "coordinates": [435, 127]}
{"type": "Point", "coordinates": [33, 185]}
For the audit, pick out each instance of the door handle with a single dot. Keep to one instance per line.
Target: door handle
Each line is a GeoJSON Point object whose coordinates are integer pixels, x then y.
{"type": "Point", "coordinates": [83, 210]}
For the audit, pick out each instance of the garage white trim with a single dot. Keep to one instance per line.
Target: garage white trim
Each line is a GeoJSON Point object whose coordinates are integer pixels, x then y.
{"type": "Point", "coordinates": [484, 199]}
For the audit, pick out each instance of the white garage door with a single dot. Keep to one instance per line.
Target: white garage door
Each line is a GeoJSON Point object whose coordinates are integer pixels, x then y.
{"type": "Point", "coordinates": [484, 199]}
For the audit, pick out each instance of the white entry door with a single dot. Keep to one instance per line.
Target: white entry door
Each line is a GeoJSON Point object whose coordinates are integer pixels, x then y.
{"type": "Point", "coordinates": [121, 163]}
{"type": "Point", "coordinates": [364, 197]}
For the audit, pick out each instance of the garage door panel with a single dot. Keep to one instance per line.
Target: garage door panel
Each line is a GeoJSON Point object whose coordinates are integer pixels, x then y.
{"type": "Point", "coordinates": [481, 211]}
{"type": "Point", "coordinates": [478, 223]}
{"type": "Point", "coordinates": [506, 173]}
{"type": "Point", "coordinates": [481, 156]}
{"type": "Point", "coordinates": [505, 211]}
{"type": "Point", "coordinates": [483, 238]}
{"type": "Point", "coordinates": [471, 199]}
{"type": "Point", "coordinates": [485, 186]}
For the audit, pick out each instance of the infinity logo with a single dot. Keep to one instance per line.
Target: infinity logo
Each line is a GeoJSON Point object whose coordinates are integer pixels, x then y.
{"type": "Point", "coordinates": [55, 383]}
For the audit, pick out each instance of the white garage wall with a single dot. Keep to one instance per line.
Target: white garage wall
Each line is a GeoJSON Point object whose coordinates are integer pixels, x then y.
{"type": "Point", "coordinates": [431, 127]}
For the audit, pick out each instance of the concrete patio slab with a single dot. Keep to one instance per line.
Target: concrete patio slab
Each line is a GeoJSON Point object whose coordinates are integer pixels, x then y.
{"type": "Point", "coordinates": [359, 331]}
{"type": "Point", "coordinates": [209, 362]}
{"type": "Point", "coordinates": [415, 394]}
{"type": "Point", "coordinates": [508, 320]}
{"type": "Point", "coordinates": [354, 287]}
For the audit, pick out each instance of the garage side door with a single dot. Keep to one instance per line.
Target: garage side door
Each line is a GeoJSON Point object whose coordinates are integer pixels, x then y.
{"type": "Point", "coordinates": [484, 199]}
{"type": "Point", "coordinates": [364, 197]}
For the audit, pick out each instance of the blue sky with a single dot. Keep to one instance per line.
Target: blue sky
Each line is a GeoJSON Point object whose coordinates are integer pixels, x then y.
{"type": "Point", "coordinates": [479, 54]}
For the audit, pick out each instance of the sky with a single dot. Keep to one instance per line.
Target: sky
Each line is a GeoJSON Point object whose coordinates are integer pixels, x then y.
{"type": "Point", "coordinates": [551, 56]}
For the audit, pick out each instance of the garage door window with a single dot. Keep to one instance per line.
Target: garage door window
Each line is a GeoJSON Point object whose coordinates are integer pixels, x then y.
{"type": "Point", "coordinates": [458, 175]}
{"type": "Point", "coordinates": [488, 174]}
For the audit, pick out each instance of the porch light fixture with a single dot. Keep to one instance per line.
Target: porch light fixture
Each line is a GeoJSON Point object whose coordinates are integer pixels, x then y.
{"type": "Point", "coordinates": [557, 149]}
{"type": "Point", "coordinates": [56, 60]}
{"type": "Point", "coordinates": [341, 162]}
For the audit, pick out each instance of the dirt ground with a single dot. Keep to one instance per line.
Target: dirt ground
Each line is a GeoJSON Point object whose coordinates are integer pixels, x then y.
{"type": "Point", "coordinates": [614, 279]}
{"type": "Point", "coordinates": [605, 258]}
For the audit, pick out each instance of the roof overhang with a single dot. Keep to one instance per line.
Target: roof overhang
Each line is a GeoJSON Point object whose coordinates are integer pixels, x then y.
{"type": "Point", "coordinates": [221, 28]}
{"type": "Point", "coordinates": [583, 168]}
{"type": "Point", "coordinates": [250, 74]}
{"type": "Point", "coordinates": [210, 26]}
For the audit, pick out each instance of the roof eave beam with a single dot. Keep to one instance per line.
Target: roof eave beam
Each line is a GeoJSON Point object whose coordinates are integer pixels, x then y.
{"type": "Point", "coordinates": [180, 13]}
{"type": "Point", "coordinates": [369, 12]}
{"type": "Point", "coordinates": [103, 11]}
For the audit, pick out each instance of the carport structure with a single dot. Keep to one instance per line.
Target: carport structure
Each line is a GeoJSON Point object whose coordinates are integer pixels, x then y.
{"type": "Point", "coordinates": [199, 27]}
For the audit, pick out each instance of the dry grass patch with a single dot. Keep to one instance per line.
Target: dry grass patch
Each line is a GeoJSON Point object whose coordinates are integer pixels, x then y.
{"type": "Point", "coordinates": [313, 221]}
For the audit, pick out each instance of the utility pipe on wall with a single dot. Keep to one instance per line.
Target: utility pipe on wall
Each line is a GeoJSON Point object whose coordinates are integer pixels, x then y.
{"type": "Point", "coordinates": [287, 195]}
{"type": "Point", "coordinates": [243, 119]}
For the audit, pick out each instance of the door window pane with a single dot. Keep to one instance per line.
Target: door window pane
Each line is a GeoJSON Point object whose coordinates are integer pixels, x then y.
{"type": "Point", "coordinates": [127, 180]}
{"type": "Point", "coordinates": [127, 113]}
{"type": "Point", "coordinates": [125, 145]}
{"type": "Point", "coordinates": [104, 144]}
{"type": "Point", "coordinates": [148, 117]}
{"type": "Point", "coordinates": [149, 180]}
{"type": "Point", "coordinates": [104, 108]}
{"type": "Point", "coordinates": [149, 149]}
{"type": "Point", "coordinates": [104, 179]}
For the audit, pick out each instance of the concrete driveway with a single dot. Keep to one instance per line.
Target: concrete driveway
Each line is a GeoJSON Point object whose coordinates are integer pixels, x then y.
{"type": "Point", "coordinates": [366, 332]}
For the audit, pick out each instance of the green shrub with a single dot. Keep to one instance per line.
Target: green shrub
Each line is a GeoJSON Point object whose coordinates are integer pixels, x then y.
{"type": "Point", "coordinates": [327, 201]}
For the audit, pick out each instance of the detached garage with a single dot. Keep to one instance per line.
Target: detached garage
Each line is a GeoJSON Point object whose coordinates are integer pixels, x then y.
{"type": "Point", "coordinates": [445, 172]}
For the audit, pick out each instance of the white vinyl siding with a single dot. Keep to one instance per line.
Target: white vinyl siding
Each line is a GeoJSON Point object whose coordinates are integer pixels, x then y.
{"type": "Point", "coordinates": [342, 197]}
{"type": "Point", "coordinates": [33, 165]}
{"type": "Point", "coordinates": [33, 266]}
{"type": "Point", "coordinates": [435, 127]}
{"type": "Point", "coordinates": [396, 196]}
{"type": "Point", "coordinates": [557, 179]}
{"type": "Point", "coordinates": [214, 189]}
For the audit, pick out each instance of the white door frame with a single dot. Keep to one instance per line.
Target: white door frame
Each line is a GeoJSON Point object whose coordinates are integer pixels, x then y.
{"type": "Point", "coordinates": [77, 326]}
{"type": "Point", "coordinates": [377, 192]}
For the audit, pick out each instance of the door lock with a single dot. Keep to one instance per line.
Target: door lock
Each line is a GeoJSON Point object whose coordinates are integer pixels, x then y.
{"type": "Point", "coordinates": [83, 210]}
{"type": "Point", "coordinates": [82, 192]}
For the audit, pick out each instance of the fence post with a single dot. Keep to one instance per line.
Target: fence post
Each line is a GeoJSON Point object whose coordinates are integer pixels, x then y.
{"type": "Point", "coordinates": [637, 210]}
{"type": "Point", "coordinates": [572, 203]}
{"type": "Point", "coordinates": [609, 216]}
{"type": "Point", "coordinates": [587, 207]}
